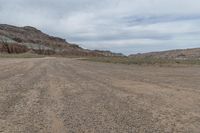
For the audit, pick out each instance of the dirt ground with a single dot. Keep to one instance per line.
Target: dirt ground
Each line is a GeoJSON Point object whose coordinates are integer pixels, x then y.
{"type": "Point", "coordinates": [59, 95]}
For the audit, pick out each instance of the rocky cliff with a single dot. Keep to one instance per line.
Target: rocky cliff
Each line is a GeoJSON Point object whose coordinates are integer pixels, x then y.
{"type": "Point", "coordinates": [35, 40]}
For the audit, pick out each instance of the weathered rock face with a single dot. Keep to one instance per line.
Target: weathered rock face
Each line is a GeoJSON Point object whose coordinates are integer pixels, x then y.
{"type": "Point", "coordinates": [40, 42]}
{"type": "Point", "coordinates": [30, 35]}
{"type": "Point", "coordinates": [13, 48]}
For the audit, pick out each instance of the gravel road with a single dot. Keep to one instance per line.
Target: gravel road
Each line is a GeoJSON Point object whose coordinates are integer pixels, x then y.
{"type": "Point", "coordinates": [59, 95]}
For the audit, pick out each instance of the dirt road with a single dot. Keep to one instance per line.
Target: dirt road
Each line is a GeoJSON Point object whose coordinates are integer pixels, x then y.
{"type": "Point", "coordinates": [58, 95]}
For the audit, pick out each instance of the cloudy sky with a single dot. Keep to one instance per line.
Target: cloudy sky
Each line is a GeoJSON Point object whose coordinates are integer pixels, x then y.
{"type": "Point", "coordinates": [127, 26]}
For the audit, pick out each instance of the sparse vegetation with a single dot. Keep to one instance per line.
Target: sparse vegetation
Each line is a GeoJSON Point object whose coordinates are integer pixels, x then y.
{"type": "Point", "coordinates": [143, 60]}
{"type": "Point", "coordinates": [23, 55]}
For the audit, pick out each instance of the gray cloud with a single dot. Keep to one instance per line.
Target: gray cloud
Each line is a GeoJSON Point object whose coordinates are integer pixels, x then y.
{"type": "Point", "coordinates": [124, 36]}
{"type": "Point", "coordinates": [145, 20]}
{"type": "Point", "coordinates": [120, 25]}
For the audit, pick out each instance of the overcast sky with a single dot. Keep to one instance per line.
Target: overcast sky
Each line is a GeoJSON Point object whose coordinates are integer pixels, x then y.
{"type": "Point", "coordinates": [127, 26]}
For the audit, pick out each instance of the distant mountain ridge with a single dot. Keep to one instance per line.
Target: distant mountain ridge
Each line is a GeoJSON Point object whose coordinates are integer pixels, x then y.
{"type": "Point", "coordinates": [193, 53]}
{"type": "Point", "coordinates": [38, 41]}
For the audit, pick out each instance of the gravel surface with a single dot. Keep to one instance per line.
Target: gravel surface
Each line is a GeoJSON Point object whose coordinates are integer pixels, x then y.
{"type": "Point", "coordinates": [59, 95]}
